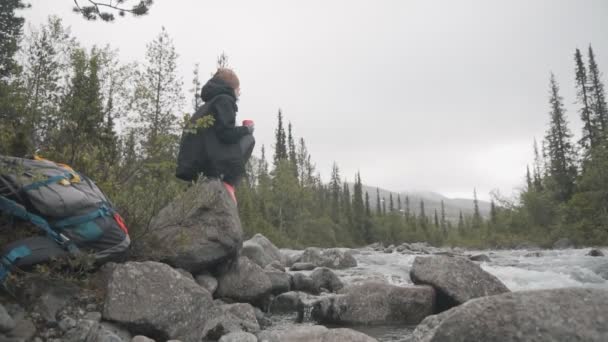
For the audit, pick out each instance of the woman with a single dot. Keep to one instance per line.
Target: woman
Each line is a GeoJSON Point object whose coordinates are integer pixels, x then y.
{"type": "Point", "coordinates": [212, 144]}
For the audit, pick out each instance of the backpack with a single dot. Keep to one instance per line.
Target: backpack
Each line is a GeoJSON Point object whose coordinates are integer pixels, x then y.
{"type": "Point", "coordinates": [64, 204]}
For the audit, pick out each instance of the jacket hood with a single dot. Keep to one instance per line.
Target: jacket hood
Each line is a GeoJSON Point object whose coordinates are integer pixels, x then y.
{"type": "Point", "coordinates": [215, 87]}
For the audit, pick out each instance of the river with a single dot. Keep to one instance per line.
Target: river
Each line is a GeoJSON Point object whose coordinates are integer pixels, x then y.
{"type": "Point", "coordinates": [518, 269]}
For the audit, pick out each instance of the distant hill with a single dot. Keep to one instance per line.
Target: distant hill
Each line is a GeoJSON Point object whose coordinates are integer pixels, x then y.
{"type": "Point", "coordinates": [432, 201]}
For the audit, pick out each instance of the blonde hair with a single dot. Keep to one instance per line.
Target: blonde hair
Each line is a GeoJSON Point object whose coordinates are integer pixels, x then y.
{"type": "Point", "coordinates": [228, 76]}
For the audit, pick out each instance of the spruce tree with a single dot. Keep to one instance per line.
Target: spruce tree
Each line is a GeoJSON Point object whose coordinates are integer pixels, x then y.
{"type": "Point", "coordinates": [477, 221]}
{"type": "Point", "coordinates": [422, 216]}
{"type": "Point", "coordinates": [436, 219]}
{"type": "Point", "coordinates": [562, 170]}
{"type": "Point", "coordinates": [538, 167]}
{"type": "Point", "coordinates": [280, 147]}
{"type": "Point", "coordinates": [359, 207]}
{"type": "Point", "coordinates": [334, 185]}
{"type": "Point", "coordinates": [195, 91]}
{"type": "Point", "coordinates": [158, 98]}
{"type": "Point", "coordinates": [588, 140]}
{"type": "Point", "coordinates": [383, 206]}
{"type": "Point", "coordinates": [460, 223]}
{"type": "Point", "coordinates": [529, 184]}
{"type": "Point", "coordinates": [391, 203]}
{"type": "Point", "coordinates": [493, 213]}
{"type": "Point", "coordinates": [598, 96]}
{"type": "Point", "coordinates": [368, 211]}
{"type": "Point", "coordinates": [378, 203]}
{"type": "Point", "coordinates": [443, 220]}
{"type": "Point", "coordinates": [407, 208]}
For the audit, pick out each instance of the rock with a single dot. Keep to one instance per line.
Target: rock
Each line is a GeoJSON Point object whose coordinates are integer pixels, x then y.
{"type": "Point", "coordinates": [388, 250]}
{"type": "Point", "coordinates": [287, 302]}
{"type": "Point", "coordinates": [595, 253]}
{"type": "Point", "coordinates": [93, 316]}
{"type": "Point", "coordinates": [275, 265]}
{"type": "Point", "coordinates": [314, 333]}
{"type": "Point", "coordinates": [302, 282]}
{"type": "Point", "coordinates": [24, 329]}
{"type": "Point", "coordinates": [67, 323]}
{"type": "Point", "coordinates": [107, 332]}
{"type": "Point", "coordinates": [571, 314]}
{"type": "Point", "coordinates": [152, 299]}
{"type": "Point", "coordinates": [456, 280]}
{"type": "Point", "coordinates": [6, 321]}
{"type": "Point", "coordinates": [533, 255]}
{"type": "Point", "coordinates": [291, 257]}
{"type": "Point", "coordinates": [333, 258]}
{"type": "Point", "coordinates": [302, 266]}
{"type": "Point", "coordinates": [280, 281]}
{"type": "Point", "coordinates": [231, 318]}
{"type": "Point", "coordinates": [480, 258]}
{"type": "Point", "coordinates": [47, 296]}
{"type": "Point", "coordinates": [324, 278]}
{"type": "Point", "coordinates": [207, 281]}
{"type": "Point", "coordinates": [375, 303]}
{"type": "Point", "coordinates": [140, 338]}
{"type": "Point", "coordinates": [81, 331]}
{"type": "Point", "coordinates": [563, 243]}
{"type": "Point", "coordinates": [261, 251]}
{"type": "Point", "coordinates": [244, 281]}
{"type": "Point", "coordinates": [346, 335]}
{"type": "Point", "coordinates": [263, 321]}
{"type": "Point", "coordinates": [239, 337]}
{"type": "Point", "coordinates": [198, 230]}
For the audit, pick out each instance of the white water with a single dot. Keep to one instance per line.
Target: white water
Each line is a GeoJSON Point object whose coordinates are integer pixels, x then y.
{"type": "Point", "coordinates": [552, 269]}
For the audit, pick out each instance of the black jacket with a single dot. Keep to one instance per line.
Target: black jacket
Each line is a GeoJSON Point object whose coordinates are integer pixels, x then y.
{"type": "Point", "coordinates": [218, 151]}
{"type": "Point", "coordinates": [223, 106]}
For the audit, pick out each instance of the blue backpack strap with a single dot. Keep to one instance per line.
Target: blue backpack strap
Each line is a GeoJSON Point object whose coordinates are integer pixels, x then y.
{"type": "Point", "coordinates": [76, 220]}
{"type": "Point", "coordinates": [7, 261]}
{"type": "Point", "coordinates": [13, 208]}
{"type": "Point", "coordinates": [50, 180]}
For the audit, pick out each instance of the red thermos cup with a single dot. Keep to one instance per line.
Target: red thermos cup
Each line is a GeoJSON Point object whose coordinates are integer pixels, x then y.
{"type": "Point", "coordinates": [247, 122]}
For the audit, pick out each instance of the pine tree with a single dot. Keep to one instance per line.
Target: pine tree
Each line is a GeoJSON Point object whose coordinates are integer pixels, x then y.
{"type": "Point", "coordinates": [538, 164]}
{"type": "Point", "coordinates": [477, 221]}
{"type": "Point", "coordinates": [335, 185]}
{"type": "Point", "coordinates": [460, 223]}
{"type": "Point", "coordinates": [196, 89]}
{"type": "Point", "coordinates": [158, 98]}
{"type": "Point", "coordinates": [529, 184]}
{"type": "Point", "coordinates": [588, 140]}
{"type": "Point", "coordinates": [378, 203]}
{"type": "Point", "coordinates": [368, 212]}
{"type": "Point", "coordinates": [493, 213]}
{"type": "Point", "coordinates": [443, 220]}
{"type": "Point", "coordinates": [10, 33]}
{"type": "Point", "coordinates": [359, 207]}
{"type": "Point", "coordinates": [422, 216]}
{"type": "Point", "coordinates": [383, 206]}
{"type": "Point", "coordinates": [291, 152]}
{"type": "Point", "coordinates": [598, 96]}
{"type": "Point", "coordinates": [280, 147]}
{"type": "Point", "coordinates": [562, 170]}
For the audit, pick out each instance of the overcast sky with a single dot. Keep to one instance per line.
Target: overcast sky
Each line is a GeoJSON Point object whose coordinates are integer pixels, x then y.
{"type": "Point", "coordinates": [427, 95]}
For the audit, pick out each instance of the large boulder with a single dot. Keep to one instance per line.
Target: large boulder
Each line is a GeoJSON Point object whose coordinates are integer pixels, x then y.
{"type": "Point", "coordinates": [314, 333]}
{"type": "Point", "coordinates": [229, 318]}
{"type": "Point", "coordinates": [261, 251]}
{"type": "Point", "coordinates": [595, 253]}
{"type": "Point", "coordinates": [288, 302]}
{"type": "Point", "coordinates": [335, 258]}
{"type": "Point", "coordinates": [456, 279]}
{"type": "Point", "coordinates": [304, 283]}
{"type": "Point", "coordinates": [324, 278]}
{"type": "Point", "coordinates": [376, 303]}
{"type": "Point", "coordinates": [280, 281]}
{"type": "Point", "coordinates": [239, 337]}
{"type": "Point", "coordinates": [198, 230]}
{"type": "Point", "coordinates": [572, 314]}
{"type": "Point", "coordinates": [155, 300]}
{"type": "Point", "coordinates": [244, 281]}
{"type": "Point", "coordinates": [6, 321]}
